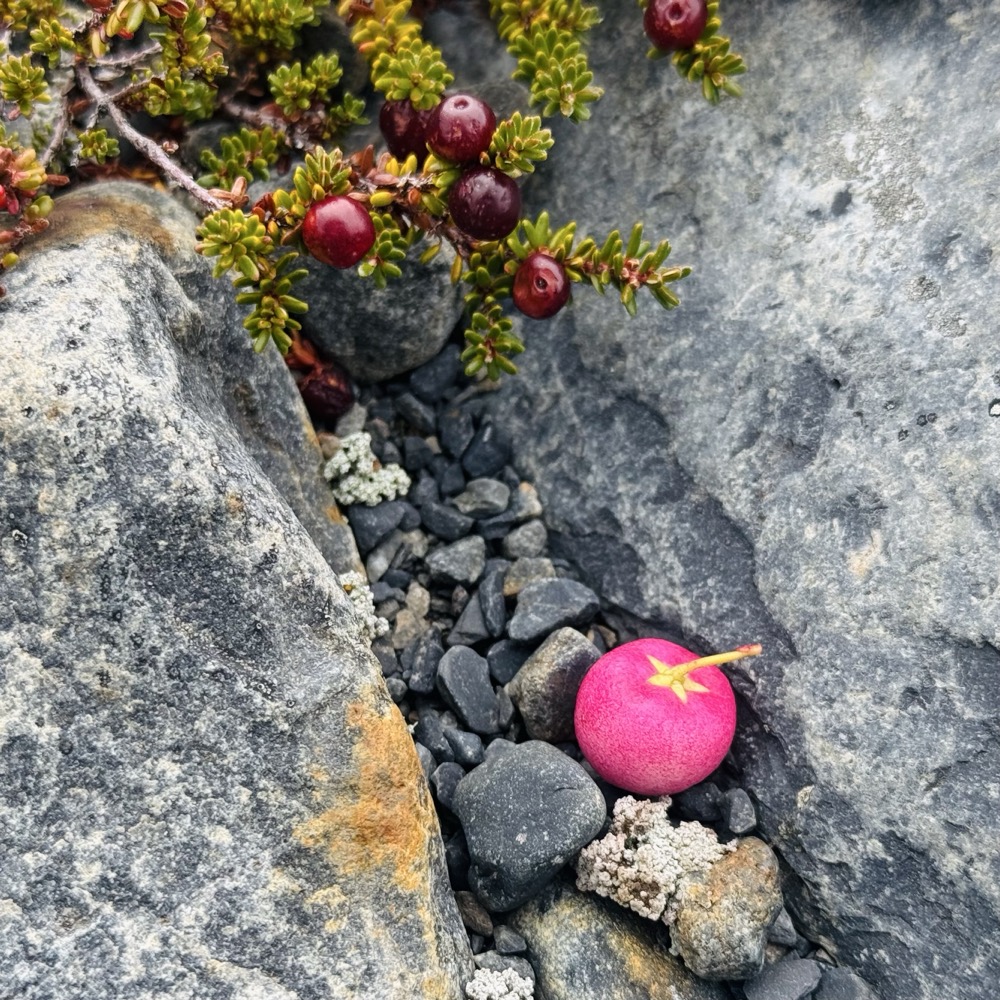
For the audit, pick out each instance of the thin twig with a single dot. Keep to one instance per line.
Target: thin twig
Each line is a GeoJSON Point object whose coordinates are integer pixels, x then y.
{"type": "Point", "coordinates": [58, 135]}
{"type": "Point", "coordinates": [142, 143]}
{"type": "Point", "coordinates": [129, 58]}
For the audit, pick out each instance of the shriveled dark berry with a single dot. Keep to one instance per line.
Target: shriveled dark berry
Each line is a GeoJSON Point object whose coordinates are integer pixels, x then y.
{"type": "Point", "coordinates": [338, 231]}
{"type": "Point", "coordinates": [485, 203]}
{"type": "Point", "coordinates": [675, 24]}
{"type": "Point", "coordinates": [404, 129]}
{"type": "Point", "coordinates": [327, 393]}
{"type": "Point", "coordinates": [541, 287]}
{"type": "Point", "coordinates": [460, 128]}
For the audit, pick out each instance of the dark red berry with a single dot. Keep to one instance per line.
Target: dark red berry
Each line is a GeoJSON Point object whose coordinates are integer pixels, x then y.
{"type": "Point", "coordinates": [338, 231]}
{"type": "Point", "coordinates": [485, 203]}
{"type": "Point", "coordinates": [327, 393]}
{"type": "Point", "coordinates": [460, 128]}
{"type": "Point", "coordinates": [675, 24]}
{"type": "Point", "coordinates": [404, 129]}
{"type": "Point", "coordinates": [541, 287]}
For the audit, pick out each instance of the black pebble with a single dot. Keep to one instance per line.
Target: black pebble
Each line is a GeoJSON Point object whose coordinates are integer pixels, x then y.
{"type": "Point", "coordinates": [505, 658]}
{"type": "Point", "coordinates": [445, 522]}
{"type": "Point", "coordinates": [488, 453]}
{"type": "Point", "coordinates": [445, 780]}
{"type": "Point", "coordinates": [418, 415]}
{"type": "Point", "coordinates": [371, 524]}
{"type": "Point", "coordinates": [427, 653]}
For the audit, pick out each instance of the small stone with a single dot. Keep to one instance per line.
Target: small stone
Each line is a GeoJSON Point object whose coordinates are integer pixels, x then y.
{"type": "Point", "coordinates": [426, 758]}
{"type": "Point", "coordinates": [408, 628]}
{"type": "Point", "coordinates": [723, 915]}
{"type": "Point", "coordinates": [525, 571]}
{"type": "Point", "coordinates": [418, 415]}
{"type": "Point", "coordinates": [463, 681]}
{"type": "Point", "coordinates": [703, 802]}
{"type": "Point", "coordinates": [525, 812]}
{"type": "Point", "coordinates": [505, 658]}
{"type": "Point", "coordinates": [791, 979]}
{"type": "Point", "coordinates": [456, 856]}
{"type": "Point", "coordinates": [424, 491]}
{"type": "Point", "coordinates": [467, 747]}
{"type": "Point", "coordinates": [460, 562]}
{"type": "Point", "coordinates": [398, 578]}
{"type": "Point", "coordinates": [505, 710]}
{"type": "Point", "coordinates": [382, 648]}
{"type": "Point", "coordinates": [417, 454]}
{"type": "Point", "coordinates": [483, 498]}
{"type": "Point", "coordinates": [397, 688]}
{"type": "Point", "coordinates": [352, 422]}
{"type": "Point", "coordinates": [491, 599]}
{"type": "Point", "coordinates": [429, 731]}
{"type": "Point", "coordinates": [508, 942]}
{"type": "Point", "coordinates": [470, 627]}
{"type": "Point", "coordinates": [455, 431]}
{"type": "Point", "coordinates": [495, 528]}
{"type": "Point", "coordinates": [445, 780]}
{"type": "Point", "coordinates": [546, 605]}
{"type": "Point", "coordinates": [371, 524]}
{"type": "Point", "coordinates": [474, 916]}
{"type": "Point", "coordinates": [429, 381]}
{"type": "Point", "coordinates": [381, 556]}
{"type": "Point", "coordinates": [451, 481]}
{"type": "Point", "coordinates": [497, 747]}
{"type": "Point", "coordinates": [545, 688]}
{"type": "Point", "coordinates": [477, 943]}
{"type": "Point", "coordinates": [741, 817]}
{"type": "Point", "coordinates": [782, 931]}
{"type": "Point", "coordinates": [838, 984]}
{"type": "Point", "coordinates": [488, 452]}
{"type": "Point", "coordinates": [444, 521]}
{"type": "Point", "coordinates": [528, 540]}
{"type": "Point", "coordinates": [496, 962]}
{"type": "Point", "coordinates": [459, 600]}
{"type": "Point", "coordinates": [426, 657]}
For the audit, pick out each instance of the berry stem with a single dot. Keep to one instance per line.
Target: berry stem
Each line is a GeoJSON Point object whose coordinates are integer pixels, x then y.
{"type": "Point", "coordinates": [681, 670]}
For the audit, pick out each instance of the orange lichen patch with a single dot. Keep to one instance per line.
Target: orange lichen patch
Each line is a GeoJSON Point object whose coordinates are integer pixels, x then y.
{"type": "Point", "coordinates": [334, 514]}
{"type": "Point", "coordinates": [380, 815]}
{"type": "Point", "coordinates": [235, 504]}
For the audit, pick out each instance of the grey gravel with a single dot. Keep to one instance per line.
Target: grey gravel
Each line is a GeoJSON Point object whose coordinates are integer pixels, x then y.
{"type": "Point", "coordinates": [460, 562]}
{"type": "Point", "coordinates": [840, 984]}
{"type": "Point", "coordinates": [371, 524]}
{"type": "Point", "coordinates": [740, 815]}
{"type": "Point", "coordinates": [507, 941]}
{"type": "Point", "coordinates": [525, 571]}
{"type": "Point", "coordinates": [491, 598]}
{"type": "Point", "coordinates": [463, 680]}
{"type": "Point", "coordinates": [445, 780]}
{"type": "Point", "coordinates": [416, 413]}
{"type": "Point", "coordinates": [483, 498]}
{"type": "Point", "coordinates": [455, 431]}
{"type": "Point", "coordinates": [488, 452]}
{"type": "Point", "coordinates": [445, 521]}
{"type": "Point", "coordinates": [498, 962]}
{"type": "Point", "coordinates": [470, 627]}
{"type": "Point", "coordinates": [473, 913]}
{"type": "Point", "coordinates": [505, 658]}
{"type": "Point", "coordinates": [467, 747]}
{"type": "Point", "coordinates": [427, 761]}
{"type": "Point", "coordinates": [430, 380]}
{"type": "Point", "coordinates": [427, 655]}
{"type": "Point", "coordinates": [790, 979]}
{"type": "Point", "coordinates": [527, 540]}
{"type": "Point", "coordinates": [546, 605]}
{"type": "Point", "coordinates": [782, 931]}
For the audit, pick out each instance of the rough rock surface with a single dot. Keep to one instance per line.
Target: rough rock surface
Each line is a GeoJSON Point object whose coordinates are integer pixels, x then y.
{"type": "Point", "coordinates": [206, 791]}
{"type": "Point", "coordinates": [586, 948]}
{"type": "Point", "coordinates": [805, 452]}
{"type": "Point", "coordinates": [722, 916]}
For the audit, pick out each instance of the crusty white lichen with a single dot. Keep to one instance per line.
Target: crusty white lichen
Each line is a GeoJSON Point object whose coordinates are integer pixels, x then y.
{"type": "Point", "coordinates": [488, 984]}
{"type": "Point", "coordinates": [643, 857]}
{"type": "Point", "coordinates": [363, 603]}
{"type": "Point", "coordinates": [356, 476]}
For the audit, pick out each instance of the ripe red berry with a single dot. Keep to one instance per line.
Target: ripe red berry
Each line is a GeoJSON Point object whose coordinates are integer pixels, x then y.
{"type": "Point", "coordinates": [404, 129]}
{"type": "Point", "coordinates": [460, 128]}
{"type": "Point", "coordinates": [338, 231]}
{"type": "Point", "coordinates": [541, 287]}
{"type": "Point", "coordinates": [485, 203]}
{"type": "Point", "coordinates": [675, 24]}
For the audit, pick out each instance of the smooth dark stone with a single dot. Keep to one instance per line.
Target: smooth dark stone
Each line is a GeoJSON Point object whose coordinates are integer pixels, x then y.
{"type": "Point", "coordinates": [498, 963]}
{"type": "Point", "coordinates": [483, 498]}
{"type": "Point", "coordinates": [417, 454]}
{"type": "Point", "coordinates": [418, 415]}
{"type": "Point", "coordinates": [397, 688]}
{"type": "Point", "coordinates": [782, 931]}
{"type": "Point", "coordinates": [459, 562]}
{"type": "Point", "coordinates": [444, 521]}
{"type": "Point", "coordinates": [430, 381]}
{"type": "Point", "coordinates": [546, 605]}
{"type": "Point", "coordinates": [445, 780]}
{"type": "Point", "coordinates": [426, 758]}
{"type": "Point", "coordinates": [703, 802]}
{"type": "Point", "coordinates": [451, 481]}
{"type": "Point", "coordinates": [505, 709]}
{"type": "Point", "coordinates": [508, 942]}
{"type": "Point", "coordinates": [467, 747]}
{"type": "Point", "coordinates": [463, 681]}
{"type": "Point", "coordinates": [372, 524]}
{"type": "Point", "coordinates": [491, 599]}
{"type": "Point", "coordinates": [424, 490]}
{"type": "Point", "coordinates": [488, 452]}
{"type": "Point", "coordinates": [455, 431]}
{"type": "Point", "coordinates": [505, 658]}
{"type": "Point", "coordinates": [456, 855]}
{"type": "Point", "coordinates": [841, 984]}
{"type": "Point", "coordinates": [397, 578]}
{"type": "Point", "coordinates": [430, 732]}
{"type": "Point", "coordinates": [427, 653]}
{"type": "Point", "coordinates": [474, 915]}
{"type": "Point", "coordinates": [386, 656]}
{"type": "Point", "coordinates": [740, 815]}
{"type": "Point", "coordinates": [790, 979]}
{"type": "Point", "coordinates": [411, 516]}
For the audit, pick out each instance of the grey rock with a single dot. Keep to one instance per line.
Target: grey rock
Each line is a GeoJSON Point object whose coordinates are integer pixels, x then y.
{"type": "Point", "coordinates": [524, 571]}
{"type": "Point", "coordinates": [426, 657]}
{"type": "Point", "coordinates": [427, 762]}
{"type": "Point", "coordinates": [782, 931]}
{"type": "Point", "coordinates": [444, 521]}
{"type": "Point", "coordinates": [467, 747]}
{"type": "Point", "coordinates": [417, 454]}
{"type": "Point", "coordinates": [525, 813]}
{"type": "Point", "coordinates": [483, 498]}
{"type": "Point", "coordinates": [791, 979]}
{"type": "Point", "coordinates": [371, 524]}
{"type": "Point", "coordinates": [505, 658]}
{"type": "Point", "coordinates": [488, 452]}
{"type": "Point", "coordinates": [587, 948]}
{"type": "Point", "coordinates": [505, 710]}
{"type": "Point", "coordinates": [430, 381]}
{"type": "Point", "coordinates": [416, 413]}
{"type": "Point", "coordinates": [429, 731]}
{"type": "Point", "coordinates": [445, 780]}
{"type": "Point", "coordinates": [397, 688]}
{"type": "Point", "coordinates": [491, 599]}
{"type": "Point", "coordinates": [544, 689]}
{"type": "Point", "coordinates": [841, 984]}
{"type": "Point", "coordinates": [200, 763]}
{"type": "Point", "coordinates": [703, 802]}
{"type": "Point", "coordinates": [497, 962]}
{"type": "Point", "coordinates": [470, 627]}
{"type": "Point", "coordinates": [498, 747]}
{"type": "Point", "coordinates": [460, 562]}
{"type": "Point", "coordinates": [463, 681]}
{"type": "Point", "coordinates": [526, 540]}
{"type": "Point", "coordinates": [474, 915]}
{"type": "Point", "coordinates": [545, 605]}
{"type": "Point", "coordinates": [741, 817]}
{"type": "Point", "coordinates": [455, 430]}
{"type": "Point", "coordinates": [777, 459]}
{"type": "Point", "coordinates": [722, 916]}
{"type": "Point", "coordinates": [508, 942]}
{"type": "Point", "coordinates": [452, 480]}
{"type": "Point", "coordinates": [376, 334]}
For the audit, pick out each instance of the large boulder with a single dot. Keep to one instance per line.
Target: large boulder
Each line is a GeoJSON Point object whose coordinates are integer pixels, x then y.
{"type": "Point", "coordinates": [805, 452]}
{"type": "Point", "coordinates": [206, 789]}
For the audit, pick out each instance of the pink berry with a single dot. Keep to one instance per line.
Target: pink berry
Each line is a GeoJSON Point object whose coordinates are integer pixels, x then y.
{"type": "Point", "coordinates": [485, 203]}
{"type": "Point", "coordinates": [675, 24]}
{"type": "Point", "coordinates": [404, 129]}
{"type": "Point", "coordinates": [541, 287]}
{"type": "Point", "coordinates": [460, 128]}
{"type": "Point", "coordinates": [652, 726]}
{"type": "Point", "coordinates": [338, 231]}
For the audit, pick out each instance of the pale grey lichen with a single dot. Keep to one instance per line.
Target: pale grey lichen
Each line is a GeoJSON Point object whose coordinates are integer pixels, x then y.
{"type": "Point", "coordinates": [357, 477]}
{"type": "Point", "coordinates": [506, 984]}
{"type": "Point", "coordinates": [641, 860]}
{"type": "Point", "coordinates": [363, 603]}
